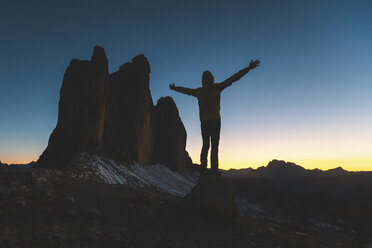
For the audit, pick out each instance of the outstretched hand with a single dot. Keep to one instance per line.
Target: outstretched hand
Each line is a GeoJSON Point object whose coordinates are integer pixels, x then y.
{"type": "Point", "coordinates": [254, 64]}
{"type": "Point", "coordinates": [172, 86]}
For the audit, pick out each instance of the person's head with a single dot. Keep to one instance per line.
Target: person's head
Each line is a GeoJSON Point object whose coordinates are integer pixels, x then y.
{"type": "Point", "coordinates": [207, 78]}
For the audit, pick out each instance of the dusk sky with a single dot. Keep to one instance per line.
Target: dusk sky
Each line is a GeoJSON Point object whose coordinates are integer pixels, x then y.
{"type": "Point", "coordinates": [309, 102]}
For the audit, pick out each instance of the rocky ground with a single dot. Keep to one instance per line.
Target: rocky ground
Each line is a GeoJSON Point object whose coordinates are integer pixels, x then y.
{"type": "Point", "coordinates": [51, 208]}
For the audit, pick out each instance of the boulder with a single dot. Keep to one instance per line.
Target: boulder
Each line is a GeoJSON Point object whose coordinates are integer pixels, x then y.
{"type": "Point", "coordinates": [212, 198]}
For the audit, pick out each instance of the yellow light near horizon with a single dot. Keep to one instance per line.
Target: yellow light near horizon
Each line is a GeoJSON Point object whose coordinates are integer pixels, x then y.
{"type": "Point", "coordinates": [350, 164]}
{"type": "Point", "coordinates": [247, 155]}
{"type": "Point", "coordinates": [323, 164]}
{"type": "Point", "coordinates": [327, 148]}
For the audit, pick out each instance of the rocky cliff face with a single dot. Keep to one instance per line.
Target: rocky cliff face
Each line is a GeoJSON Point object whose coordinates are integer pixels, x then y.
{"type": "Point", "coordinates": [128, 132]}
{"type": "Point", "coordinates": [113, 115]}
{"type": "Point", "coordinates": [170, 136]}
{"type": "Point", "coordinates": [81, 111]}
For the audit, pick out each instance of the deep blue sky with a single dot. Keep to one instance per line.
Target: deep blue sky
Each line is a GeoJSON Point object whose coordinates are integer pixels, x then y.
{"type": "Point", "coordinates": [309, 101]}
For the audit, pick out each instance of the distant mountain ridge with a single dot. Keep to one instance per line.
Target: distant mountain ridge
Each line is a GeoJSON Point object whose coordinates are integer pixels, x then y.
{"type": "Point", "coordinates": [282, 169]}
{"type": "Point", "coordinates": [28, 165]}
{"type": "Point", "coordinates": [287, 176]}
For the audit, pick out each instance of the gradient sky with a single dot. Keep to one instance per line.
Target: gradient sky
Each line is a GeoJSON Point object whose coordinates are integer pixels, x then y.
{"type": "Point", "coordinates": [310, 101]}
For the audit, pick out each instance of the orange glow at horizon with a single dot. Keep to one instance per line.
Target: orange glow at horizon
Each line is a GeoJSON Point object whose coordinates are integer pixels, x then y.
{"type": "Point", "coordinates": [323, 164]}
{"type": "Point", "coordinates": [242, 149]}
{"type": "Point", "coordinates": [350, 164]}
{"type": "Point", "coordinates": [17, 159]}
{"type": "Point", "coordinates": [239, 162]}
{"type": "Point", "coordinates": [323, 147]}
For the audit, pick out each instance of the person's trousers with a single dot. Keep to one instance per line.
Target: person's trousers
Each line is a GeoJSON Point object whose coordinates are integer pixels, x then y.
{"type": "Point", "coordinates": [210, 130]}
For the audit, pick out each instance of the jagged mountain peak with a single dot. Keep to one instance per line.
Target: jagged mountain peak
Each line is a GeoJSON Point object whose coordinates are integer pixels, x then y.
{"type": "Point", "coordinates": [113, 115]}
{"type": "Point", "coordinates": [168, 103]}
{"type": "Point", "coordinates": [169, 127]}
{"type": "Point", "coordinates": [275, 164]}
{"type": "Point", "coordinates": [282, 169]}
{"type": "Point", "coordinates": [337, 169]}
{"type": "Point", "coordinates": [99, 55]}
{"type": "Point", "coordinates": [142, 63]}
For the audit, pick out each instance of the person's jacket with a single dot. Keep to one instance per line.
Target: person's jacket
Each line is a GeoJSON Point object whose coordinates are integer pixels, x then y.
{"type": "Point", "coordinates": [208, 99]}
{"type": "Point", "coordinates": [210, 94]}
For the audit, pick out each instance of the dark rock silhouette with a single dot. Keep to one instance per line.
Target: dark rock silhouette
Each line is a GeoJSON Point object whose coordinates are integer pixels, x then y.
{"type": "Point", "coordinates": [128, 132]}
{"type": "Point", "coordinates": [81, 111]}
{"type": "Point", "coordinates": [212, 198]}
{"type": "Point", "coordinates": [339, 171]}
{"type": "Point", "coordinates": [170, 136]}
{"type": "Point", "coordinates": [286, 176]}
{"type": "Point", "coordinates": [110, 114]}
{"type": "Point", "coordinates": [282, 169]}
{"type": "Point", "coordinates": [29, 165]}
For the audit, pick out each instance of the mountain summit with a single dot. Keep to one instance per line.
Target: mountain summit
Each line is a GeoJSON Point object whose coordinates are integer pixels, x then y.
{"type": "Point", "coordinates": [113, 115]}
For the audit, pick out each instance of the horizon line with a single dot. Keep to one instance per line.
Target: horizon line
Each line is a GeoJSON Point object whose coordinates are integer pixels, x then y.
{"type": "Point", "coordinates": [24, 162]}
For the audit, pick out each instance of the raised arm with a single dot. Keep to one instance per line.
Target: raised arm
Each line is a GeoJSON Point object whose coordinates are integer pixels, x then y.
{"type": "Point", "coordinates": [187, 91]}
{"type": "Point", "coordinates": [238, 75]}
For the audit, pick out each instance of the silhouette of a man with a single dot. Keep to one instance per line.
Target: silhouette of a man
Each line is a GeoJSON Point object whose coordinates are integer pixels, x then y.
{"type": "Point", "coordinates": [209, 111]}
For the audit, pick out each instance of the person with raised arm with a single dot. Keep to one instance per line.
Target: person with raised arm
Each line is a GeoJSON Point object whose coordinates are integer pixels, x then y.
{"type": "Point", "coordinates": [209, 96]}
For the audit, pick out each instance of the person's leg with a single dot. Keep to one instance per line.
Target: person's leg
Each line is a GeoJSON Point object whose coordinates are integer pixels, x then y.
{"type": "Point", "coordinates": [205, 136]}
{"type": "Point", "coordinates": [215, 140]}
